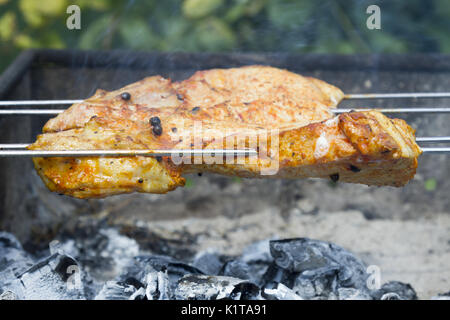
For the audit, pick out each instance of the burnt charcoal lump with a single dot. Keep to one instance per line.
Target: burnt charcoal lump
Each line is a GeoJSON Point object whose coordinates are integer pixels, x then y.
{"type": "Point", "coordinates": [442, 296]}
{"type": "Point", "coordinates": [278, 291]}
{"type": "Point", "coordinates": [208, 262]}
{"type": "Point", "coordinates": [158, 286]}
{"type": "Point", "coordinates": [201, 287]}
{"type": "Point", "coordinates": [353, 294]}
{"type": "Point", "coordinates": [237, 269]}
{"type": "Point", "coordinates": [13, 259]}
{"type": "Point", "coordinates": [113, 290]}
{"type": "Point", "coordinates": [145, 264]}
{"type": "Point", "coordinates": [321, 268]}
{"type": "Point", "coordinates": [395, 290]}
{"type": "Point", "coordinates": [257, 257]}
{"type": "Point", "coordinates": [57, 277]}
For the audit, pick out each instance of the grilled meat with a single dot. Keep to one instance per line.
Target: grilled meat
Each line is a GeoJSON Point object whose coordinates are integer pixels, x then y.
{"type": "Point", "coordinates": [285, 116]}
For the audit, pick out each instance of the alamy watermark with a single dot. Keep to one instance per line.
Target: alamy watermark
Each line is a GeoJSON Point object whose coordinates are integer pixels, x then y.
{"type": "Point", "coordinates": [373, 281]}
{"type": "Point", "coordinates": [373, 22]}
{"type": "Point", "coordinates": [72, 272]}
{"type": "Point", "coordinates": [73, 22]}
{"type": "Point", "coordinates": [265, 142]}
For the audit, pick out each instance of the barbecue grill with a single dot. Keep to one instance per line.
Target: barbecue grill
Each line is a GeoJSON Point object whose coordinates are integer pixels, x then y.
{"type": "Point", "coordinates": [41, 82]}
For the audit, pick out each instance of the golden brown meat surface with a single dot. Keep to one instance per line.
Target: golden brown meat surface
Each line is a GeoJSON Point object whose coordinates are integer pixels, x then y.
{"type": "Point", "coordinates": [285, 116]}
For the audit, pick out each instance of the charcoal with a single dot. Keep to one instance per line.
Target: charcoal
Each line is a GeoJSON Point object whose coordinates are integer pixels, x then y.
{"type": "Point", "coordinates": [257, 252]}
{"type": "Point", "coordinates": [8, 295]}
{"type": "Point", "coordinates": [404, 291]}
{"type": "Point", "coordinates": [158, 286]}
{"type": "Point", "coordinates": [143, 265]}
{"type": "Point", "coordinates": [139, 281]}
{"type": "Point", "coordinates": [13, 259]}
{"type": "Point", "coordinates": [114, 267]}
{"type": "Point", "coordinates": [278, 291]}
{"type": "Point", "coordinates": [135, 273]}
{"type": "Point", "coordinates": [442, 296]}
{"type": "Point", "coordinates": [201, 287]}
{"type": "Point", "coordinates": [162, 263]}
{"type": "Point", "coordinates": [275, 274]}
{"type": "Point", "coordinates": [13, 262]}
{"type": "Point", "coordinates": [101, 250]}
{"type": "Point", "coordinates": [7, 240]}
{"type": "Point", "coordinates": [390, 296]}
{"type": "Point", "coordinates": [208, 262]}
{"type": "Point", "coordinates": [237, 269]}
{"type": "Point", "coordinates": [321, 267]}
{"type": "Point", "coordinates": [134, 282]}
{"type": "Point", "coordinates": [138, 295]}
{"type": "Point", "coordinates": [175, 268]}
{"type": "Point", "coordinates": [113, 290]}
{"type": "Point", "coordinates": [353, 294]}
{"type": "Point", "coordinates": [320, 287]}
{"type": "Point", "coordinates": [56, 277]}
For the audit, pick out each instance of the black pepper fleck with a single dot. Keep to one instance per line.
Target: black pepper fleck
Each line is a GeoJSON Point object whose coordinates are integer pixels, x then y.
{"type": "Point", "coordinates": [180, 96]}
{"type": "Point", "coordinates": [159, 158]}
{"type": "Point", "coordinates": [155, 121]}
{"type": "Point", "coordinates": [195, 109]}
{"type": "Point", "coordinates": [140, 180]}
{"type": "Point", "coordinates": [354, 168]}
{"type": "Point", "coordinates": [334, 177]}
{"type": "Point", "coordinates": [200, 174]}
{"type": "Point", "coordinates": [157, 130]}
{"type": "Point", "coordinates": [125, 96]}
{"type": "Point", "coordinates": [174, 130]}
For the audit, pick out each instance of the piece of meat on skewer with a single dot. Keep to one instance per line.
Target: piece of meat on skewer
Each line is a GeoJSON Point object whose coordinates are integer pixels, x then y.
{"type": "Point", "coordinates": [299, 136]}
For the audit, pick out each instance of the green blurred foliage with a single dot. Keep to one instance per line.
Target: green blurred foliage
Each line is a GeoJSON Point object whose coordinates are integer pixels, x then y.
{"type": "Point", "coordinates": [329, 26]}
{"type": "Point", "coordinates": [430, 184]}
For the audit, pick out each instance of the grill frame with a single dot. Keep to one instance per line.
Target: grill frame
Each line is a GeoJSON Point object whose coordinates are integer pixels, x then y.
{"type": "Point", "coordinates": [199, 61]}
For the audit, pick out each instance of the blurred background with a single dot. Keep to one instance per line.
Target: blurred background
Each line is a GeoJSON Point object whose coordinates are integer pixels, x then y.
{"type": "Point", "coordinates": [225, 25]}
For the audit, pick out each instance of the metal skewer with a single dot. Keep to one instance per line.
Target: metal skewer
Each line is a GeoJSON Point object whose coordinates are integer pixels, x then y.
{"type": "Point", "coordinates": [433, 139]}
{"type": "Point", "coordinates": [397, 95]}
{"type": "Point", "coordinates": [38, 102]}
{"type": "Point", "coordinates": [123, 153]}
{"type": "Point", "coordinates": [418, 139]}
{"type": "Point", "coordinates": [30, 111]}
{"type": "Point", "coordinates": [397, 110]}
{"type": "Point", "coordinates": [347, 96]}
{"type": "Point", "coordinates": [10, 150]}
{"type": "Point", "coordinates": [442, 150]}
{"type": "Point", "coordinates": [337, 111]}
{"type": "Point", "coordinates": [150, 153]}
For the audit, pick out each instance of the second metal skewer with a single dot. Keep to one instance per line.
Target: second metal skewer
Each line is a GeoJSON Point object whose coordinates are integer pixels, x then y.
{"type": "Point", "coordinates": [351, 96]}
{"type": "Point", "coordinates": [121, 152]}
{"type": "Point", "coordinates": [337, 111]}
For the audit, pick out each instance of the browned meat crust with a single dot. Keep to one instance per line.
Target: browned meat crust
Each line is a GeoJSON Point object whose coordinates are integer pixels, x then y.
{"type": "Point", "coordinates": [303, 140]}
